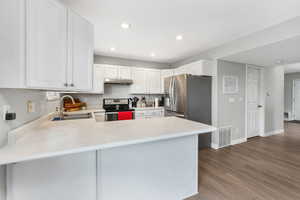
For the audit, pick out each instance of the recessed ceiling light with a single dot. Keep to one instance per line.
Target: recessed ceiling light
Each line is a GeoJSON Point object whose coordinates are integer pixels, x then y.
{"type": "Point", "coordinates": [152, 55]}
{"type": "Point", "coordinates": [112, 49]}
{"type": "Point", "coordinates": [179, 37]}
{"type": "Point", "coordinates": [125, 25]}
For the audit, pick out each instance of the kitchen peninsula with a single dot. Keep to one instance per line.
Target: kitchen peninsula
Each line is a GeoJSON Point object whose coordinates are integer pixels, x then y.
{"type": "Point", "coordinates": [83, 159]}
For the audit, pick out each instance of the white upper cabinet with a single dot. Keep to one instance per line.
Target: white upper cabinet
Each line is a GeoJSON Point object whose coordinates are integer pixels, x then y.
{"type": "Point", "coordinates": [199, 68]}
{"type": "Point", "coordinates": [98, 79]}
{"type": "Point", "coordinates": [12, 48]}
{"type": "Point", "coordinates": [153, 80]}
{"type": "Point", "coordinates": [81, 49]}
{"type": "Point", "coordinates": [111, 71]}
{"type": "Point", "coordinates": [49, 46]}
{"type": "Point", "coordinates": [117, 72]}
{"type": "Point", "coordinates": [139, 85]}
{"type": "Point", "coordinates": [146, 81]}
{"type": "Point", "coordinates": [124, 72]}
{"type": "Point", "coordinates": [181, 70]}
{"type": "Point", "coordinates": [46, 44]}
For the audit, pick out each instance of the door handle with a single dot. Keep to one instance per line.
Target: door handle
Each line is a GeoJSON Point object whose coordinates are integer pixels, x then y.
{"type": "Point", "coordinates": [259, 106]}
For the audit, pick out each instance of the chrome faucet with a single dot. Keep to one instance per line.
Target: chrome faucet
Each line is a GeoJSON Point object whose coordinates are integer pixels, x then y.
{"type": "Point", "coordinates": [61, 107]}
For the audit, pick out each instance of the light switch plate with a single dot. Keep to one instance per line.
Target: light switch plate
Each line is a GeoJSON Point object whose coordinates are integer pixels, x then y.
{"type": "Point", "coordinates": [30, 107]}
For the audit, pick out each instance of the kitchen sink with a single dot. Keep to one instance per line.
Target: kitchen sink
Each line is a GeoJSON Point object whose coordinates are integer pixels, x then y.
{"type": "Point", "coordinates": [73, 117]}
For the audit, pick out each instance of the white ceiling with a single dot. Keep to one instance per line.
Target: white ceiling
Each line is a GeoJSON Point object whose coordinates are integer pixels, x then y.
{"type": "Point", "coordinates": [292, 68]}
{"type": "Point", "coordinates": [204, 24]}
{"type": "Point", "coordinates": [279, 53]}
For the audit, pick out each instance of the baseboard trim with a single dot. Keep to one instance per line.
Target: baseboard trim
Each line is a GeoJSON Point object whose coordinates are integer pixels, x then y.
{"type": "Point", "coordinates": [214, 146]}
{"type": "Point", "coordinates": [238, 141]}
{"type": "Point", "coordinates": [276, 132]}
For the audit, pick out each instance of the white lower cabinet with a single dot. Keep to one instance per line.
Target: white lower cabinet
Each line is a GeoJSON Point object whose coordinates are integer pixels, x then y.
{"type": "Point", "coordinates": [149, 113]}
{"type": "Point", "coordinates": [71, 177]}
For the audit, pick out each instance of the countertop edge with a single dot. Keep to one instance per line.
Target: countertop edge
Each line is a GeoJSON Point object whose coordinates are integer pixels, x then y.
{"type": "Point", "coordinates": [111, 145]}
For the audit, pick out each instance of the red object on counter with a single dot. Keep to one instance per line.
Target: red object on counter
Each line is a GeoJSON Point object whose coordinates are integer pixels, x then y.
{"type": "Point", "coordinates": [125, 115]}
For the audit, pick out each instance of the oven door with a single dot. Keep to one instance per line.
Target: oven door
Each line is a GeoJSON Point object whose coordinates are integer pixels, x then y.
{"type": "Point", "coordinates": [111, 116]}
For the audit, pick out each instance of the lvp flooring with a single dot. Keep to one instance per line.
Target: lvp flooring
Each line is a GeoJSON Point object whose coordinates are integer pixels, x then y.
{"type": "Point", "coordinates": [260, 169]}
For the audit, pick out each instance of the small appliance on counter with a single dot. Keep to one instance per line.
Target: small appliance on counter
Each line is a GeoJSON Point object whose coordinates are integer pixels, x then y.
{"type": "Point", "coordinates": [117, 109]}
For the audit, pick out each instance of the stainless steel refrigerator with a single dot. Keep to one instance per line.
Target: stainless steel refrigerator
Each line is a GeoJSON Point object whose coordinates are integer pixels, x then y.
{"type": "Point", "coordinates": [189, 97]}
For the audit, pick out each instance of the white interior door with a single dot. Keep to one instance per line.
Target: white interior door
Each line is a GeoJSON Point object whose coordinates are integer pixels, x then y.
{"type": "Point", "coordinates": [296, 100]}
{"type": "Point", "coordinates": [254, 107]}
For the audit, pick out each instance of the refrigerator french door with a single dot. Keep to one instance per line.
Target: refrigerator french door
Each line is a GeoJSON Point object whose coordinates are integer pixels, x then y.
{"type": "Point", "coordinates": [189, 97]}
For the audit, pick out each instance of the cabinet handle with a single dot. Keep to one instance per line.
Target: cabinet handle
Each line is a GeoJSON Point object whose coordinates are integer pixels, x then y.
{"type": "Point", "coordinates": [72, 85]}
{"type": "Point", "coordinates": [66, 84]}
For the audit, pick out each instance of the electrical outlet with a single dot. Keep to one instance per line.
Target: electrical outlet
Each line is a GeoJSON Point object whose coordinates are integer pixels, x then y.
{"type": "Point", "coordinates": [30, 107]}
{"type": "Point", "coordinates": [5, 109]}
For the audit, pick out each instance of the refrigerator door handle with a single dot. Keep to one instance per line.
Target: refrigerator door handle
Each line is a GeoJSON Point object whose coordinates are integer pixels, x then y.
{"type": "Point", "coordinates": [175, 96]}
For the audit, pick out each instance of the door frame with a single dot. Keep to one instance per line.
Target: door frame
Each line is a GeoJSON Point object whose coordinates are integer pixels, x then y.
{"type": "Point", "coordinates": [293, 99]}
{"type": "Point", "coordinates": [262, 100]}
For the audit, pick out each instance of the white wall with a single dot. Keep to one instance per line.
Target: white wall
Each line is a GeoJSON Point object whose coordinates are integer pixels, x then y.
{"type": "Point", "coordinates": [17, 99]}
{"type": "Point", "coordinates": [232, 113]}
{"type": "Point", "coordinates": [274, 88]}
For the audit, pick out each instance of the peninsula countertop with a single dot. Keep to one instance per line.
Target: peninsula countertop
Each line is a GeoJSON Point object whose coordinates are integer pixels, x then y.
{"type": "Point", "coordinates": [46, 138]}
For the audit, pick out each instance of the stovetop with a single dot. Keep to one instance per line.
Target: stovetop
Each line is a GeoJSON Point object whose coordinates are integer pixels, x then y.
{"type": "Point", "coordinates": [120, 110]}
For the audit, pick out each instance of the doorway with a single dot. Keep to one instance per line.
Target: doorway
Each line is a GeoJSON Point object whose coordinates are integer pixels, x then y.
{"type": "Point", "coordinates": [254, 102]}
{"type": "Point", "coordinates": [296, 99]}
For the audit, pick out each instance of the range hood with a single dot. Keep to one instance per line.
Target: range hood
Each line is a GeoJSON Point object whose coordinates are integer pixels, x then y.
{"type": "Point", "coordinates": [118, 81]}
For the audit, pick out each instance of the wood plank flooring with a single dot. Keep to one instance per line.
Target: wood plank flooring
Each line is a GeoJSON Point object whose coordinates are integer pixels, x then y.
{"type": "Point", "coordinates": [261, 169]}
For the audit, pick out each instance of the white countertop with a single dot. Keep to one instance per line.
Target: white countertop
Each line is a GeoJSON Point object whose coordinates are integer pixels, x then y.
{"type": "Point", "coordinates": [45, 138]}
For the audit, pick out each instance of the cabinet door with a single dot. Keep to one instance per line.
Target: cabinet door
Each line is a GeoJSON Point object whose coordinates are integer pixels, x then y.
{"type": "Point", "coordinates": [98, 79]}
{"type": "Point", "coordinates": [139, 81]}
{"type": "Point", "coordinates": [12, 49]}
{"type": "Point", "coordinates": [111, 72]}
{"type": "Point", "coordinates": [164, 74]}
{"type": "Point", "coordinates": [124, 72]}
{"type": "Point", "coordinates": [60, 178]}
{"type": "Point", "coordinates": [81, 53]}
{"type": "Point", "coordinates": [153, 81]}
{"type": "Point", "coordinates": [46, 44]}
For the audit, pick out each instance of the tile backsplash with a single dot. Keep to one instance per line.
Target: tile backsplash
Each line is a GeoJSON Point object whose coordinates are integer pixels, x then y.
{"type": "Point", "coordinates": [111, 91]}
